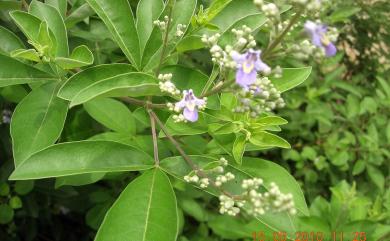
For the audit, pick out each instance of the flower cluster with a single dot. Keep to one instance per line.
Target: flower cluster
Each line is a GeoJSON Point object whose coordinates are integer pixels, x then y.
{"type": "Point", "coordinates": [258, 97]}
{"type": "Point", "coordinates": [311, 5]}
{"type": "Point", "coordinates": [272, 200]}
{"type": "Point", "coordinates": [254, 201]}
{"type": "Point", "coordinates": [221, 179]}
{"type": "Point", "coordinates": [166, 84]}
{"type": "Point", "coordinates": [277, 72]}
{"type": "Point", "coordinates": [190, 105]}
{"type": "Point", "coordinates": [304, 50]}
{"type": "Point", "coordinates": [6, 116]}
{"type": "Point", "coordinates": [270, 10]}
{"type": "Point", "coordinates": [180, 29]}
{"type": "Point", "coordinates": [227, 205]}
{"type": "Point", "coordinates": [218, 167]}
{"type": "Point", "coordinates": [204, 182]}
{"type": "Point", "coordinates": [219, 55]}
{"type": "Point", "coordinates": [244, 38]}
{"type": "Point", "coordinates": [162, 24]}
{"type": "Point", "coordinates": [223, 56]}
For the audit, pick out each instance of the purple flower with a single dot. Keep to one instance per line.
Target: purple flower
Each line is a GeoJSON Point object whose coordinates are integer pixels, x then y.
{"type": "Point", "coordinates": [248, 64]}
{"type": "Point", "coordinates": [318, 36]}
{"type": "Point", "coordinates": [190, 105]}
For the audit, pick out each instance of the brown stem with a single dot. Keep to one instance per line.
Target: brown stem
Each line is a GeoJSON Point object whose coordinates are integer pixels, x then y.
{"type": "Point", "coordinates": [199, 172]}
{"type": "Point", "coordinates": [143, 103]}
{"type": "Point", "coordinates": [218, 88]}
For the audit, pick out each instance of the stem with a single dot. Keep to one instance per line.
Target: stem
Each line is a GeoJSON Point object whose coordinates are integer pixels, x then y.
{"type": "Point", "coordinates": [154, 135]}
{"type": "Point", "coordinates": [279, 38]}
{"type": "Point", "coordinates": [143, 103]}
{"type": "Point", "coordinates": [218, 88]}
{"type": "Point", "coordinates": [187, 158]}
{"type": "Point", "coordinates": [174, 142]}
{"type": "Point", "coordinates": [165, 40]}
{"type": "Point", "coordinates": [213, 76]}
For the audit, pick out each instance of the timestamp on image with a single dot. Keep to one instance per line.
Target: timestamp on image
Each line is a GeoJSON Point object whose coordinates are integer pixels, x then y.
{"type": "Point", "coordinates": [310, 236]}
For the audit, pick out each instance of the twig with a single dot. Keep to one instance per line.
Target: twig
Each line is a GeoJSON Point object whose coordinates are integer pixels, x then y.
{"type": "Point", "coordinates": [154, 136]}
{"type": "Point", "coordinates": [174, 142]}
{"type": "Point", "coordinates": [188, 159]}
{"type": "Point", "coordinates": [165, 41]}
{"type": "Point", "coordinates": [217, 88]}
{"type": "Point", "coordinates": [143, 103]}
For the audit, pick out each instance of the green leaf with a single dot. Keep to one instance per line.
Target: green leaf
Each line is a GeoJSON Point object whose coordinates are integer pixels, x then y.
{"type": "Point", "coordinates": [29, 54]}
{"type": "Point", "coordinates": [147, 12]}
{"type": "Point", "coordinates": [385, 85]}
{"type": "Point", "coordinates": [190, 43]}
{"type": "Point", "coordinates": [309, 153]}
{"type": "Point", "coordinates": [254, 21]}
{"type": "Point", "coordinates": [182, 13]}
{"type": "Point", "coordinates": [81, 56]}
{"type": "Point", "coordinates": [353, 89]}
{"type": "Point", "coordinates": [265, 139]}
{"type": "Point", "coordinates": [343, 13]}
{"type": "Point", "coordinates": [46, 40]}
{"type": "Point", "coordinates": [250, 167]}
{"type": "Point", "coordinates": [340, 159]}
{"type": "Point", "coordinates": [60, 5]}
{"type": "Point", "coordinates": [55, 22]}
{"type": "Point", "coordinates": [9, 41]}
{"type": "Point", "coordinates": [32, 131]}
{"type": "Point", "coordinates": [189, 128]}
{"type": "Point", "coordinates": [95, 215]}
{"type": "Point", "coordinates": [15, 202]}
{"type": "Point", "coordinates": [359, 167]}
{"type": "Point", "coordinates": [369, 105]}
{"type": "Point", "coordinates": [80, 157]}
{"type": "Point", "coordinates": [111, 80]}
{"type": "Point", "coordinates": [239, 148]}
{"type": "Point", "coordinates": [6, 5]}
{"type": "Point", "coordinates": [352, 106]}
{"type": "Point", "coordinates": [119, 19]}
{"type": "Point", "coordinates": [193, 208]}
{"type": "Point", "coordinates": [388, 132]}
{"type": "Point", "coordinates": [4, 189]}
{"type": "Point", "coordinates": [228, 128]}
{"type": "Point", "coordinates": [6, 214]}
{"type": "Point", "coordinates": [146, 210]}
{"type": "Point", "coordinates": [24, 187]}
{"type": "Point", "coordinates": [13, 72]}
{"type": "Point", "coordinates": [271, 121]}
{"type": "Point", "coordinates": [79, 180]}
{"type": "Point", "coordinates": [29, 24]}
{"type": "Point", "coordinates": [232, 12]}
{"type": "Point", "coordinates": [291, 78]}
{"type": "Point", "coordinates": [112, 114]}
{"type": "Point", "coordinates": [215, 8]}
{"type": "Point", "coordinates": [78, 15]}
{"type": "Point", "coordinates": [376, 176]}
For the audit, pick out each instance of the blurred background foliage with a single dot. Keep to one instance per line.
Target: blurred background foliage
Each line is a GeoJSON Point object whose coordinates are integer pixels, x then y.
{"type": "Point", "coordinates": [338, 126]}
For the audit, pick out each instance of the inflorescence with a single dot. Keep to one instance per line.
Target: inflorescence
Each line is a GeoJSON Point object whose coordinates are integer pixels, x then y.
{"type": "Point", "coordinates": [251, 198]}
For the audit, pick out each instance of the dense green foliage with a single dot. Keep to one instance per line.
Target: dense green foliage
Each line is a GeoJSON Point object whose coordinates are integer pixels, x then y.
{"type": "Point", "coordinates": [89, 149]}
